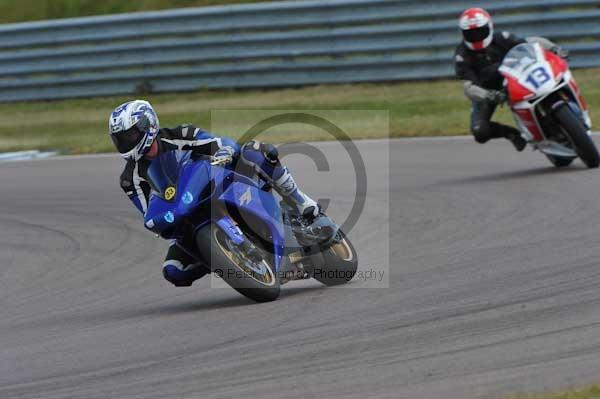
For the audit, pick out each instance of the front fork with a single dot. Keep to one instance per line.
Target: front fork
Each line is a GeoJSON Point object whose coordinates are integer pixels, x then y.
{"type": "Point", "coordinates": [298, 261]}
{"type": "Point", "coordinates": [583, 107]}
{"type": "Point", "coordinates": [231, 229]}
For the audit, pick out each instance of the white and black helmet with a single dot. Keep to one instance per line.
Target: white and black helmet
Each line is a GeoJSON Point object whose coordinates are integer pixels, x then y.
{"type": "Point", "coordinates": [133, 126]}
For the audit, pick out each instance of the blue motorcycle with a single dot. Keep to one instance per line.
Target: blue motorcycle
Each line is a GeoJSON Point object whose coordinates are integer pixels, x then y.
{"type": "Point", "coordinates": [240, 230]}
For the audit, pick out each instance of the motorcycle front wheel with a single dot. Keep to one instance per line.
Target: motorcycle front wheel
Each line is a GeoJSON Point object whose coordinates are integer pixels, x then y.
{"type": "Point", "coordinates": [256, 279]}
{"type": "Point", "coordinates": [339, 262]}
{"type": "Point", "coordinates": [583, 143]}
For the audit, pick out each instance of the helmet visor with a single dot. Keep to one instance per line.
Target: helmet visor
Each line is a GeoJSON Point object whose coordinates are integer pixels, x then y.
{"type": "Point", "coordinates": [477, 34]}
{"type": "Point", "coordinates": [127, 140]}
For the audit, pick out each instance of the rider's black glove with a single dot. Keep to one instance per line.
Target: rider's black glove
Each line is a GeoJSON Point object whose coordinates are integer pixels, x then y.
{"type": "Point", "coordinates": [223, 156]}
{"type": "Point", "coordinates": [561, 52]}
{"type": "Point", "coordinates": [497, 97]}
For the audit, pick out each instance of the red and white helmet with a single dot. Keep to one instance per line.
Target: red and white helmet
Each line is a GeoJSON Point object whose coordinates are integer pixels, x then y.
{"type": "Point", "coordinates": [477, 28]}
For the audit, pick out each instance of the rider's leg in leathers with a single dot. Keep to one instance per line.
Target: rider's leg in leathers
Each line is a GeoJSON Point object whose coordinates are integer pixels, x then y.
{"type": "Point", "coordinates": [483, 129]}
{"type": "Point", "coordinates": [180, 268]}
{"type": "Point", "coordinates": [263, 158]}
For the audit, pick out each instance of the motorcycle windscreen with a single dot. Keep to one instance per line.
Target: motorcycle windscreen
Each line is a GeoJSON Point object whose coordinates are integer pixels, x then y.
{"type": "Point", "coordinates": [163, 173]}
{"type": "Point", "coordinates": [528, 71]}
{"type": "Point", "coordinates": [520, 57]}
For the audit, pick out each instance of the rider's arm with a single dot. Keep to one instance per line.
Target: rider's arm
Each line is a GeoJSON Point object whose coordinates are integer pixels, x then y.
{"type": "Point", "coordinates": [473, 91]}
{"type": "Point", "coordinates": [136, 188]}
{"type": "Point", "coordinates": [189, 137]}
{"type": "Point", "coordinates": [464, 72]}
{"type": "Point", "coordinates": [477, 93]}
{"type": "Point", "coordinates": [462, 68]}
{"type": "Point", "coordinates": [222, 141]}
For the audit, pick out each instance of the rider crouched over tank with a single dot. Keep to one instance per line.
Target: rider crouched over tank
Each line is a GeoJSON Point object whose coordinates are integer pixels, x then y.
{"type": "Point", "coordinates": [135, 131]}
{"type": "Point", "coordinates": [476, 61]}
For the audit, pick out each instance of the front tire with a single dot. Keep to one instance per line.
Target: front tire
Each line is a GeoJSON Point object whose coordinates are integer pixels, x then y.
{"type": "Point", "coordinates": [574, 127]}
{"type": "Point", "coordinates": [339, 263]}
{"type": "Point", "coordinates": [255, 280]}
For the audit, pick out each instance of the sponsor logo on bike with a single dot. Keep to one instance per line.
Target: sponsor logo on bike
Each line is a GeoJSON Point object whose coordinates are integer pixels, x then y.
{"type": "Point", "coordinates": [246, 197]}
{"type": "Point", "coordinates": [187, 198]}
{"type": "Point", "coordinates": [170, 193]}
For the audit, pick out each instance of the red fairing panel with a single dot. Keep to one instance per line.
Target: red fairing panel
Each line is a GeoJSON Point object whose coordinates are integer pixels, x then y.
{"type": "Point", "coordinates": [516, 91]}
{"type": "Point", "coordinates": [558, 65]}
{"type": "Point", "coordinates": [527, 118]}
{"type": "Point", "coordinates": [575, 89]}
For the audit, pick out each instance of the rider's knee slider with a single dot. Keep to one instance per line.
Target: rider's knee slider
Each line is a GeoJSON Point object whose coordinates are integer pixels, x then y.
{"type": "Point", "coordinates": [481, 132]}
{"type": "Point", "coordinates": [270, 152]}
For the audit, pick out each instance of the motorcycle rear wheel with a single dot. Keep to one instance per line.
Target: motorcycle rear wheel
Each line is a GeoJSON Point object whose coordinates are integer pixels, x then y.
{"type": "Point", "coordinates": [255, 280]}
{"type": "Point", "coordinates": [583, 143]}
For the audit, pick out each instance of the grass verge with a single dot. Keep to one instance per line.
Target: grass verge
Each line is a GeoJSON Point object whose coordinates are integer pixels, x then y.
{"type": "Point", "coordinates": [415, 109]}
{"type": "Point", "coordinates": [33, 10]}
{"type": "Point", "coordinates": [590, 392]}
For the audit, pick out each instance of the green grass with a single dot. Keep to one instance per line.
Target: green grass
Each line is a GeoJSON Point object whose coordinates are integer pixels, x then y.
{"type": "Point", "coordinates": [415, 109]}
{"type": "Point", "coordinates": [31, 10]}
{"type": "Point", "coordinates": [590, 392]}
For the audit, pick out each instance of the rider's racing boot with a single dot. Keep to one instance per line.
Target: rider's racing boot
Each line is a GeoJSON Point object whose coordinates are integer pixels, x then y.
{"type": "Point", "coordinates": [318, 227]}
{"type": "Point", "coordinates": [511, 134]}
{"type": "Point", "coordinates": [518, 141]}
{"type": "Point", "coordinates": [286, 186]}
{"type": "Point", "coordinates": [181, 276]}
{"type": "Point", "coordinates": [180, 268]}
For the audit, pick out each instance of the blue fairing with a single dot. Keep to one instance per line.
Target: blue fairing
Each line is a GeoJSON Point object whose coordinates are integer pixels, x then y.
{"type": "Point", "coordinates": [192, 181]}
{"type": "Point", "coordinates": [175, 169]}
{"type": "Point", "coordinates": [261, 204]}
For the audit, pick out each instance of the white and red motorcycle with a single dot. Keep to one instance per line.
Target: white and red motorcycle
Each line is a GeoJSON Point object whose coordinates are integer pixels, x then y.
{"type": "Point", "coordinates": [547, 105]}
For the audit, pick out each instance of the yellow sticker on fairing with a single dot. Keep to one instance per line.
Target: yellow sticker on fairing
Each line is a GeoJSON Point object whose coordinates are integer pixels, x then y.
{"type": "Point", "coordinates": [170, 193]}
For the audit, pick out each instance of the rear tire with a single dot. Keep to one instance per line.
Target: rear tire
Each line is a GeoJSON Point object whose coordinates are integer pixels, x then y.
{"type": "Point", "coordinates": [220, 254]}
{"type": "Point", "coordinates": [559, 162]}
{"type": "Point", "coordinates": [583, 143]}
{"type": "Point", "coordinates": [339, 263]}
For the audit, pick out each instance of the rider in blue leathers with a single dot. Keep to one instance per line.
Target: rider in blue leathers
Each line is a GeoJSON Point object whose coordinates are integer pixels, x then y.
{"type": "Point", "coordinates": [136, 133]}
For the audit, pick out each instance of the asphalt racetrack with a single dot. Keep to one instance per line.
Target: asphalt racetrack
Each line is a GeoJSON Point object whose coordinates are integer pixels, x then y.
{"type": "Point", "coordinates": [494, 286]}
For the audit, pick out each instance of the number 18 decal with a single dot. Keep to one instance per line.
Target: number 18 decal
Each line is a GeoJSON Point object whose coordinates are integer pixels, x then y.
{"type": "Point", "coordinates": [538, 77]}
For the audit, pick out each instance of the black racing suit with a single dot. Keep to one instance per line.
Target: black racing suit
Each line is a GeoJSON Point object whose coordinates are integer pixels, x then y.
{"type": "Point", "coordinates": [479, 70]}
